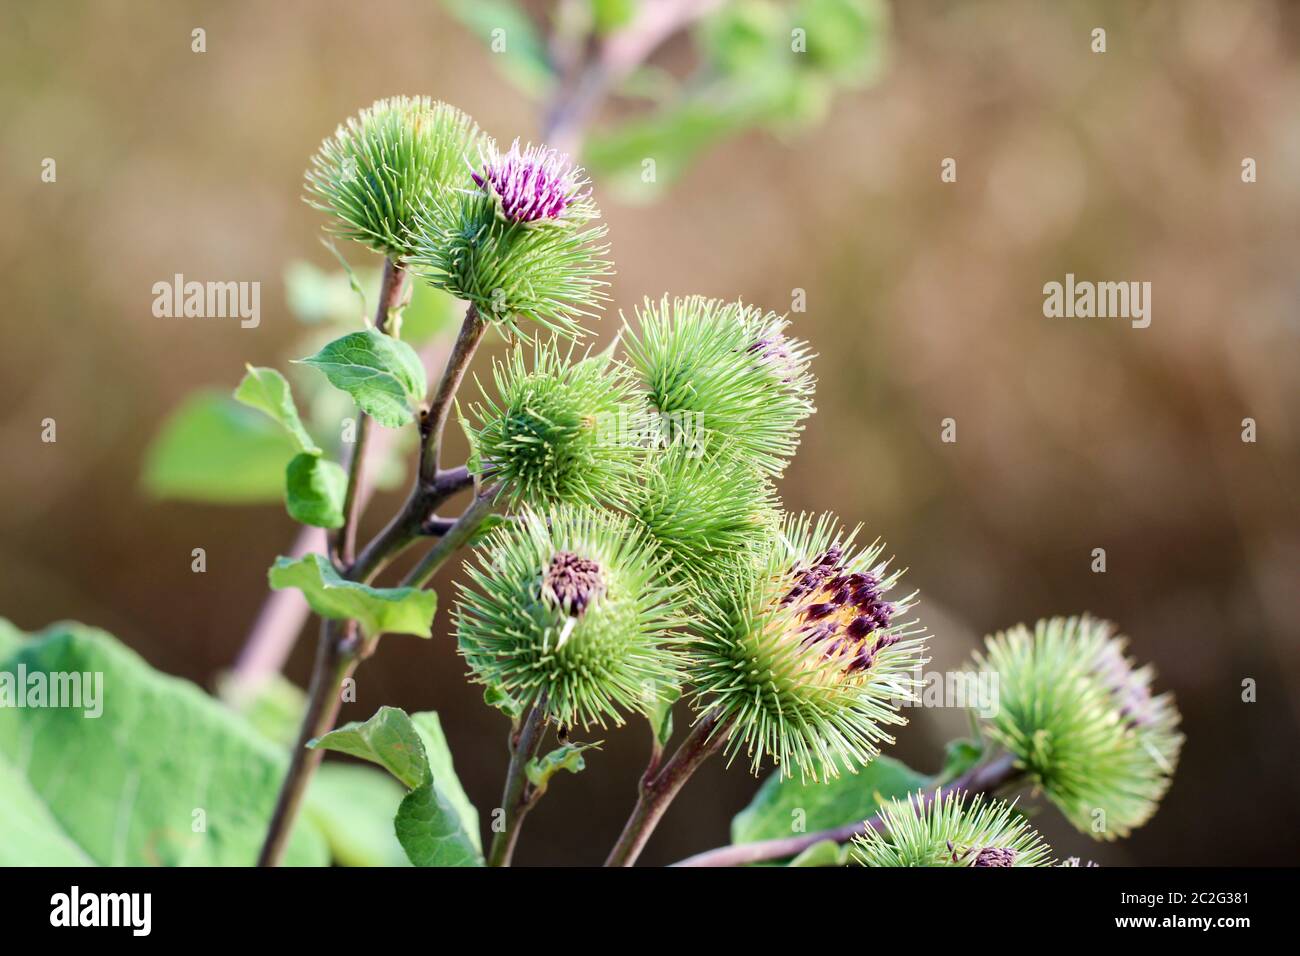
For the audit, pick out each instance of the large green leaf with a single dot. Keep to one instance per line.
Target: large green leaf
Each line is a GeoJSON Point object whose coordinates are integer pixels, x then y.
{"type": "Point", "coordinates": [32, 836]}
{"type": "Point", "coordinates": [384, 375]}
{"type": "Point", "coordinates": [164, 775]}
{"type": "Point", "coordinates": [436, 824]}
{"type": "Point", "coordinates": [314, 491]}
{"type": "Point", "coordinates": [786, 807]}
{"type": "Point", "coordinates": [268, 391]}
{"type": "Point", "coordinates": [377, 610]}
{"type": "Point", "coordinates": [216, 450]}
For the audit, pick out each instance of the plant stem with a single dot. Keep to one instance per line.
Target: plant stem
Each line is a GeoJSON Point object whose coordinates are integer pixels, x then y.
{"type": "Point", "coordinates": [336, 659]}
{"type": "Point", "coordinates": [408, 524]}
{"type": "Point", "coordinates": [457, 535]}
{"type": "Point", "coordinates": [659, 787]}
{"type": "Point", "coordinates": [471, 333]}
{"type": "Point", "coordinates": [518, 797]}
{"type": "Point", "coordinates": [344, 545]}
{"type": "Point", "coordinates": [982, 779]}
{"type": "Point", "coordinates": [432, 486]}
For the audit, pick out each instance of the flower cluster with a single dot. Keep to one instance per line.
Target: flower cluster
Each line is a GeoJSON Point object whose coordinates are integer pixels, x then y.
{"type": "Point", "coordinates": [641, 566]}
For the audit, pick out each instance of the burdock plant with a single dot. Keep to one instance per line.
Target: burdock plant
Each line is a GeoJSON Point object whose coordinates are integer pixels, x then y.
{"type": "Point", "coordinates": [630, 555]}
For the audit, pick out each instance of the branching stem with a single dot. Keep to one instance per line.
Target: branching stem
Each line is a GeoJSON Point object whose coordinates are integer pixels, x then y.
{"type": "Point", "coordinates": [659, 787]}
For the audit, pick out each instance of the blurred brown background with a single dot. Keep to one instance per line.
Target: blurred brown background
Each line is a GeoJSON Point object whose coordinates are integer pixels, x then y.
{"type": "Point", "coordinates": [924, 302]}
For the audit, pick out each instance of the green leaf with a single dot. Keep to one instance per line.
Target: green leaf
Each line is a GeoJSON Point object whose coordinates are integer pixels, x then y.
{"type": "Point", "coordinates": [783, 808]}
{"type": "Point", "coordinates": [485, 528]}
{"type": "Point", "coordinates": [388, 739]}
{"type": "Point", "coordinates": [32, 836]}
{"type": "Point", "coordinates": [377, 610]}
{"type": "Point", "coordinates": [383, 375]}
{"type": "Point", "coordinates": [214, 449]}
{"type": "Point", "coordinates": [267, 390]}
{"type": "Point", "coordinates": [958, 756]}
{"type": "Point", "coordinates": [163, 776]}
{"type": "Point", "coordinates": [825, 853]}
{"type": "Point", "coordinates": [436, 824]}
{"type": "Point", "coordinates": [565, 757]}
{"type": "Point", "coordinates": [353, 806]}
{"type": "Point", "coordinates": [429, 831]}
{"type": "Point", "coordinates": [314, 491]}
{"type": "Point", "coordinates": [429, 728]}
{"type": "Point", "coordinates": [503, 702]}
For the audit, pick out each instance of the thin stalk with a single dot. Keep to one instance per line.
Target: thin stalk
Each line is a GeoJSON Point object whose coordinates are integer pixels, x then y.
{"type": "Point", "coordinates": [471, 334]}
{"type": "Point", "coordinates": [409, 523]}
{"type": "Point", "coordinates": [432, 486]}
{"type": "Point", "coordinates": [659, 787]}
{"type": "Point", "coordinates": [518, 797]}
{"type": "Point", "coordinates": [344, 545]}
{"type": "Point", "coordinates": [457, 535]}
{"type": "Point", "coordinates": [983, 779]}
{"type": "Point", "coordinates": [336, 659]}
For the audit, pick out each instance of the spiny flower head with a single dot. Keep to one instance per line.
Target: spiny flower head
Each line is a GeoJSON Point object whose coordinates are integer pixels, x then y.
{"type": "Point", "coordinates": [733, 368]}
{"type": "Point", "coordinates": [569, 608]}
{"type": "Point", "coordinates": [804, 652]}
{"type": "Point", "coordinates": [1083, 722]}
{"type": "Point", "coordinates": [530, 184]}
{"type": "Point", "coordinates": [383, 166]}
{"type": "Point", "coordinates": [950, 830]}
{"type": "Point", "coordinates": [519, 238]}
{"type": "Point", "coordinates": [555, 430]}
{"type": "Point", "coordinates": [701, 511]}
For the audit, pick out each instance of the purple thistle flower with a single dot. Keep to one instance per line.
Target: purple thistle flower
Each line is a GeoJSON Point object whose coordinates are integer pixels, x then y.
{"type": "Point", "coordinates": [995, 856]}
{"type": "Point", "coordinates": [534, 183]}
{"type": "Point", "coordinates": [841, 611]}
{"type": "Point", "coordinates": [573, 582]}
